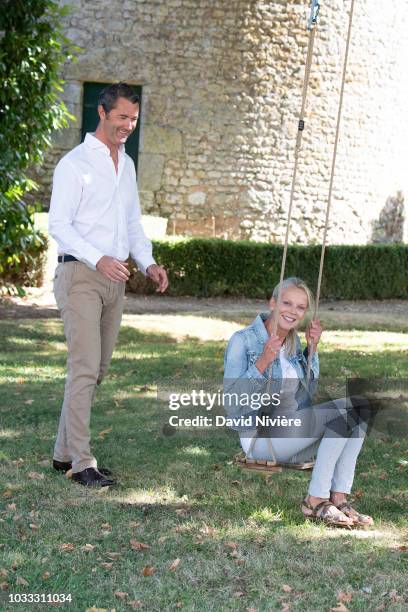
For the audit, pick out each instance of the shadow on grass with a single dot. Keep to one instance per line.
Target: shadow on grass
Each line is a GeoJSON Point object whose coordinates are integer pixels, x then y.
{"type": "Point", "coordinates": [234, 532]}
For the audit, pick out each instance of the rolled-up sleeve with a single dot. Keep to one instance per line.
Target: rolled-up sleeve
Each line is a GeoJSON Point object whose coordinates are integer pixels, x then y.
{"type": "Point", "coordinates": [314, 366]}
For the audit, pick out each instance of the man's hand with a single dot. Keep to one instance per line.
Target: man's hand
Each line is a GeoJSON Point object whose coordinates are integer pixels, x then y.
{"type": "Point", "coordinates": [158, 276]}
{"type": "Point", "coordinates": [114, 269]}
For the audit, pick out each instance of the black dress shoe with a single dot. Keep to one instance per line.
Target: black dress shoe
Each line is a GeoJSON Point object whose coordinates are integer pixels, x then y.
{"type": "Point", "coordinates": [92, 478]}
{"type": "Point", "coordinates": [64, 466]}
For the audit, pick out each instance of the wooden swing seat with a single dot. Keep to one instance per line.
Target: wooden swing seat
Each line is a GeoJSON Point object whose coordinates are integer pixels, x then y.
{"type": "Point", "coordinates": [269, 467]}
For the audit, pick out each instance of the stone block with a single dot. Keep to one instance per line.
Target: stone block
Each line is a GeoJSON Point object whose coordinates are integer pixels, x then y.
{"type": "Point", "coordinates": [165, 140]}
{"type": "Point", "coordinates": [150, 171]}
{"type": "Point", "coordinates": [197, 198]}
{"type": "Point", "coordinates": [67, 138]}
{"type": "Point", "coordinates": [72, 92]}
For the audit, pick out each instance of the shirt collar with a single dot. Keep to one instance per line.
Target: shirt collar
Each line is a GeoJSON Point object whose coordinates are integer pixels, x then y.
{"type": "Point", "coordinates": [94, 143]}
{"type": "Point", "coordinates": [259, 327]}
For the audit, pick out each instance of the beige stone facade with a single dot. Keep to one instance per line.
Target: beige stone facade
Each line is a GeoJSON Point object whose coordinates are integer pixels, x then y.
{"type": "Point", "coordinates": [221, 88]}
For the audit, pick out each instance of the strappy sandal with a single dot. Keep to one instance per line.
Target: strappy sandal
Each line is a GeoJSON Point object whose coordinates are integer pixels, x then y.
{"type": "Point", "coordinates": [361, 520]}
{"type": "Point", "coordinates": [324, 512]}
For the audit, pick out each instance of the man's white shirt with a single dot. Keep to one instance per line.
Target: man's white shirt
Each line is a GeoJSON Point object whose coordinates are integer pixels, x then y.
{"type": "Point", "coordinates": [94, 211]}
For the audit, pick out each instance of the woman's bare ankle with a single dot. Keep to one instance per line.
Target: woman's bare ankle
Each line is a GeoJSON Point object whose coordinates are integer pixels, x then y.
{"type": "Point", "coordinates": [337, 497]}
{"type": "Point", "coordinates": [314, 501]}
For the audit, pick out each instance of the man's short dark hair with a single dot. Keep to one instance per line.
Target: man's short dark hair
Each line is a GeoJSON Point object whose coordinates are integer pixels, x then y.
{"type": "Point", "coordinates": [110, 94]}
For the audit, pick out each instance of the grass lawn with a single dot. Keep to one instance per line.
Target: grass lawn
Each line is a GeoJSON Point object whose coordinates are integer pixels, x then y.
{"type": "Point", "coordinates": [216, 538]}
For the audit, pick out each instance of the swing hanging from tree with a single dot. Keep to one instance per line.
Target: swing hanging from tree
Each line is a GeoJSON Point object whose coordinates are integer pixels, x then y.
{"type": "Point", "coordinates": [242, 459]}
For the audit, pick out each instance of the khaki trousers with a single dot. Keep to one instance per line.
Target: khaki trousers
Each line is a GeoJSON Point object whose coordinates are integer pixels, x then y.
{"type": "Point", "coordinates": [91, 308]}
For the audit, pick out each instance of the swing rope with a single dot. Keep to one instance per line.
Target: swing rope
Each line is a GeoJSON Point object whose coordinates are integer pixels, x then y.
{"type": "Point", "coordinates": [301, 126]}
{"type": "Point", "coordinates": [329, 197]}
{"type": "Point", "coordinates": [312, 28]}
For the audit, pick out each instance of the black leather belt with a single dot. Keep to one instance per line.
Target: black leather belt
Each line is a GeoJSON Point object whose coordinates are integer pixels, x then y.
{"type": "Point", "coordinates": [63, 258]}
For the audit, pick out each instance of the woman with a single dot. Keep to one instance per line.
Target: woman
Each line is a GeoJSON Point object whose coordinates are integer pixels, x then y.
{"type": "Point", "coordinates": [333, 428]}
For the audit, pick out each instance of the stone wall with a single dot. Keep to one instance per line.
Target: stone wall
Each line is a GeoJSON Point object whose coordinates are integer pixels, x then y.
{"type": "Point", "coordinates": [221, 96]}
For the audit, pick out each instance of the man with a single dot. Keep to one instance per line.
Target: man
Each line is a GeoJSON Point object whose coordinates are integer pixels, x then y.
{"type": "Point", "coordinates": [95, 219]}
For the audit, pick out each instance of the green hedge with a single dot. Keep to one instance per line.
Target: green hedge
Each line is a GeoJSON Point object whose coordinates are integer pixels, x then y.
{"type": "Point", "coordinates": [215, 267]}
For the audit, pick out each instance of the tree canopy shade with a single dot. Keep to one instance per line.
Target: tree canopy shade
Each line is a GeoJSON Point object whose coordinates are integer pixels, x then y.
{"type": "Point", "coordinates": [32, 50]}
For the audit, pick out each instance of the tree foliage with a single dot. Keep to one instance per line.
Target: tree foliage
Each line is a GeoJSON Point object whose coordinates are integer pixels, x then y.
{"type": "Point", "coordinates": [32, 51]}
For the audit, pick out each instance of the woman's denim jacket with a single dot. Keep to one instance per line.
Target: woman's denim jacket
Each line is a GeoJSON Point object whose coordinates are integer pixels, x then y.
{"type": "Point", "coordinates": [242, 376]}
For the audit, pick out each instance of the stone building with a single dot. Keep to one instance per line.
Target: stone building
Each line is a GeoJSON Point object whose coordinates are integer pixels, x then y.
{"type": "Point", "coordinates": [221, 82]}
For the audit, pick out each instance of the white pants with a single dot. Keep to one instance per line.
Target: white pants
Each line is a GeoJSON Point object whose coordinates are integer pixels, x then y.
{"type": "Point", "coordinates": [336, 455]}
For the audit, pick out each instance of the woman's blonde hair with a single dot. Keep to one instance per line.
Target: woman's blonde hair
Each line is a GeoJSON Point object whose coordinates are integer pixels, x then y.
{"type": "Point", "coordinates": [293, 281]}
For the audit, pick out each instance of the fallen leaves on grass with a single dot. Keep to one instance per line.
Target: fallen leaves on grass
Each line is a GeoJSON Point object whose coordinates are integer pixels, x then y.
{"type": "Point", "coordinates": [207, 530]}
{"type": "Point", "coordinates": [21, 581]}
{"type": "Point", "coordinates": [105, 527]}
{"type": "Point", "coordinates": [87, 547]}
{"type": "Point", "coordinates": [174, 565]}
{"type": "Point", "coordinates": [135, 545]}
{"type": "Point", "coordinates": [134, 524]}
{"type": "Point", "coordinates": [36, 475]}
{"type": "Point", "coordinates": [344, 597]}
{"type": "Point", "coordinates": [3, 572]}
{"type": "Point", "coordinates": [29, 401]}
{"type": "Point", "coordinates": [68, 546]}
{"type": "Point", "coordinates": [239, 594]}
{"type": "Point", "coordinates": [11, 507]}
{"type": "Point", "coordinates": [393, 595]}
{"type": "Point", "coordinates": [7, 493]}
{"type": "Point", "coordinates": [135, 604]}
{"type": "Point", "coordinates": [286, 588]}
{"type": "Point", "coordinates": [232, 545]}
{"type": "Point", "coordinates": [113, 556]}
{"type": "Point", "coordinates": [104, 432]}
{"type": "Point", "coordinates": [121, 595]}
{"type": "Point", "coordinates": [148, 570]}
{"type": "Point", "coordinates": [34, 526]}
{"type": "Point", "coordinates": [339, 608]}
{"type": "Point", "coordinates": [106, 565]}
{"type": "Point", "coordinates": [46, 575]}
{"type": "Point", "coordinates": [4, 586]}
